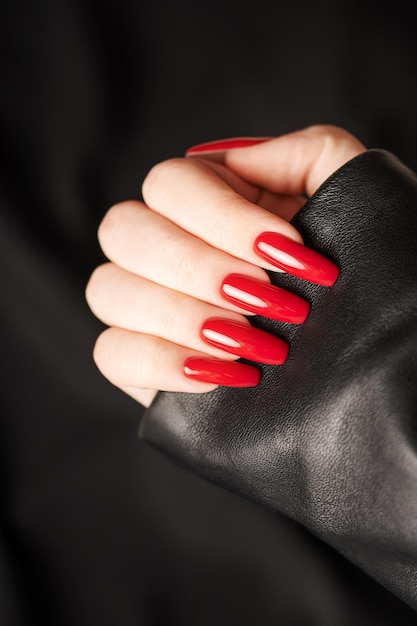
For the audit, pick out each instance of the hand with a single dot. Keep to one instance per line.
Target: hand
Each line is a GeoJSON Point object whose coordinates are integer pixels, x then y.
{"type": "Point", "coordinates": [187, 265]}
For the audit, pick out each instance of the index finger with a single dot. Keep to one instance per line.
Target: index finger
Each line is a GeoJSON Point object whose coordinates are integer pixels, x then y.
{"type": "Point", "coordinates": [193, 196]}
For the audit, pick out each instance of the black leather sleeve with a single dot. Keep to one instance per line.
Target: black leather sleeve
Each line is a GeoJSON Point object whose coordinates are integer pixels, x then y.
{"type": "Point", "coordinates": [329, 438]}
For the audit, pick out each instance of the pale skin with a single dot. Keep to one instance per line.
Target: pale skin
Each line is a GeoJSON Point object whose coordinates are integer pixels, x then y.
{"type": "Point", "coordinates": [168, 255]}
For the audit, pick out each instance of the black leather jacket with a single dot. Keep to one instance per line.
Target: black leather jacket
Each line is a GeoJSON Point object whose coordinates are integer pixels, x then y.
{"type": "Point", "coordinates": [329, 438]}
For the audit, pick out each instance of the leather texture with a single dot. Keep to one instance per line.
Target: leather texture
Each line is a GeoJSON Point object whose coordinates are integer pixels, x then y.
{"type": "Point", "coordinates": [329, 438]}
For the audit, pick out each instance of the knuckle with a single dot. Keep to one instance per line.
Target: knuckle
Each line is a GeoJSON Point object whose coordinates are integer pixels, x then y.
{"type": "Point", "coordinates": [160, 177]}
{"type": "Point", "coordinates": [128, 359]}
{"type": "Point", "coordinates": [103, 354]}
{"type": "Point", "coordinates": [326, 130]}
{"type": "Point", "coordinates": [183, 263]}
{"type": "Point", "coordinates": [96, 286]}
{"type": "Point", "coordinates": [113, 223]}
{"type": "Point", "coordinates": [152, 360]}
{"type": "Point", "coordinates": [331, 135]}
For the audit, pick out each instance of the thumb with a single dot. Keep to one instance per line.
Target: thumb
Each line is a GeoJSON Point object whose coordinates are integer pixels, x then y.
{"type": "Point", "coordinates": [292, 164]}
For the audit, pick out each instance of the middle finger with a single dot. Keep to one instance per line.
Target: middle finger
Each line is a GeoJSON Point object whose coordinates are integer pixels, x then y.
{"type": "Point", "coordinates": [148, 245]}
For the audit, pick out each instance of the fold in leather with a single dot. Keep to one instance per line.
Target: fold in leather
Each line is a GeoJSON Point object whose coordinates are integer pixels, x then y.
{"type": "Point", "coordinates": [329, 438]}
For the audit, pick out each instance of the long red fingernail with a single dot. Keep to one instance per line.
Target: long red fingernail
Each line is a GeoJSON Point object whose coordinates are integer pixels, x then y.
{"type": "Point", "coordinates": [264, 299]}
{"type": "Point", "coordinates": [296, 259]}
{"type": "Point", "coordinates": [225, 144]}
{"type": "Point", "coordinates": [244, 341]}
{"type": "Point", "coordinates": [226, 373]}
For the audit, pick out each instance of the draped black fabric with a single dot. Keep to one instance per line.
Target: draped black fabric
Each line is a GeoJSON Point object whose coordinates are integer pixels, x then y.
{"type": "Point", "coordinates": [96, 526]}
{"type": "Point", "coordinates": [328, 438]}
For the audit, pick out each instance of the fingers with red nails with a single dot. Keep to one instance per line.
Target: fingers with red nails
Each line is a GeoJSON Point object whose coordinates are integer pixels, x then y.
{"type": "Point", "coordinates": [188, 265]}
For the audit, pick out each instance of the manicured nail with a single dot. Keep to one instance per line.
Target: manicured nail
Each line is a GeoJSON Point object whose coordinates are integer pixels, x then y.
{"type": "Point", "coordinates": [225, 144]}
{"type": "Point", "coordinates": [296, 259]}
{"type": "Point", "coordinates": [262, 298]}
{"type": "Point", "coordinates": [226, 373]}
{"type": "Point", "coordinates": [244, 341]}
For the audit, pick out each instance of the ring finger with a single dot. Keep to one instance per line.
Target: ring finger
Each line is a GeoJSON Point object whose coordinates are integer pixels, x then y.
{"type": "Point", "coordinates": [117, 298]}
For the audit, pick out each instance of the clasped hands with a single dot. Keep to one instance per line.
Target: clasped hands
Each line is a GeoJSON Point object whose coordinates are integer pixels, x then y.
{"type": "Point", "coordinates": [187, 265]}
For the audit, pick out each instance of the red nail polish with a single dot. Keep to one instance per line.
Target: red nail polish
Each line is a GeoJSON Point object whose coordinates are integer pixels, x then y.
{"type": "Point", "coordinates": [225, 144]}
{"type": "Point", "coordinates": [262, 298]}
{"type": "Point", "coordinates": [244, 341]}
{"type": "Point", "coordinates": [296, 259]}
{"type": "Point", "coordinates": [226, 373]}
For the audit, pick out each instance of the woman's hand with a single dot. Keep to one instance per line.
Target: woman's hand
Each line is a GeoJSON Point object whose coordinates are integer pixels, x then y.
{"type": "Point", "coordinates": [187, 265]}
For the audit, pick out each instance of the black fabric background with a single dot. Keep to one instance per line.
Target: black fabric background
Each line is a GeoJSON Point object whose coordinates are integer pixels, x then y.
{"type": "Point", "coordinates": [96, 527]}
